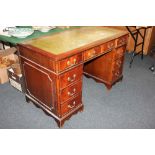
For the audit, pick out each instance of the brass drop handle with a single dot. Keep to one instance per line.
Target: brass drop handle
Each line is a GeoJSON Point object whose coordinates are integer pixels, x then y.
{"type": "Point", "coordinates": [71, 64]}
{"type": "Point", "coordinates": [93, 53]}
{"type": "Point", "coordinates": [121, 40]}
{"type": "Point", "coordinates": [72, 106]}
{"type": "Point", "coordinates": [118, 63]}
{"type": "Point", "coordinates": [72, 79]}
{"type": "Point", "coordinates": [71, 94]}
{"type": "Point", "coordinates": [110, 45]}
{"type": "Point", "coordinates": [117, 73]}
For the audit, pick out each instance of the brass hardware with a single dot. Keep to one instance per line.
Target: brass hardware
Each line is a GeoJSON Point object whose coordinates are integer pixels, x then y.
{"type": "Point", "coordinates": [93, 53]}
{"type": "Point", "coordinates": [74, 61]}
{"type": "Point", "coordinates": [110, 45]}
{"type": "Point", "coordinates": [71, 64]}
{"type": "Point", "coordinates": [71, 79]}
{"type": "Point", "coordinates": [69, 106]}
{"type": "Point", "coordinates": [68, 63]}
{"type": "Point", "coordinates": [117, 73]}
{"type": "Point", "coordinates": [122, 41]}
{"type": "Point", "coordinates": [118, 63]}
{"type": "Point", "coordinates": [71, 94]}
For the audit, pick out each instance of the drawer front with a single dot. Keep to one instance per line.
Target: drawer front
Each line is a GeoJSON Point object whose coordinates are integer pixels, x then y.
{"type": "Point", "coordinates": [108, 46]}
{"type": "Point", "coordinates": [70, 62]}
{"type": "Point", "coordinates": [119, 52]}
{"type": "Point", "coordinates": [71, 76]}
{"type": "Point", "coordinates": [118, 63]}
{"type": "Point", "coordinates": [70, 91]}
{"type": "Point", "coordinates": [92, 53]}
{"type": "Point", "coordinates": [121, 41]}
{"type": "Point", "coordinates": [71, 105]}
{"type": "Point", "coordinates": [117, 69]}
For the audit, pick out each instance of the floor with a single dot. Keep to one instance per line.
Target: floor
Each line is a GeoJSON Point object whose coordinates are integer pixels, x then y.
{"type": "Point", "coordinates": [129, 105]}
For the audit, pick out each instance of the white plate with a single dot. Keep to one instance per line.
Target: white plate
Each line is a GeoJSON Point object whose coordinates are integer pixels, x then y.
{"type": "Point", "coordinates": [44, 28]}
{"type": "Point", "coordinates": [21, 32]}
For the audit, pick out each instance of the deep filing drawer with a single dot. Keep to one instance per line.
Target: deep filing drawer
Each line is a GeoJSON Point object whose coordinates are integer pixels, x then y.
{"type": "Point", "coordinates": [70, 91]}
{"type": "Point", "coordinates": [71, 76]}
{"type": "Point", "coordinates": [92, 53]}
{"type": "Point", "coordinates": [71, 105]}
{"type": "Point", "coordinates": [70, 62]}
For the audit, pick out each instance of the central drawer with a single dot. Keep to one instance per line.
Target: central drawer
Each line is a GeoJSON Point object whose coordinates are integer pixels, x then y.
{"type": "Point", "coordinates": [71, 76]}
{"type": "Point", "coordinates": [91, 53]}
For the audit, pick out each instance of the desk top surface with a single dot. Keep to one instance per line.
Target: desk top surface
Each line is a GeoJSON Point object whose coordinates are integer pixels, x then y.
{"type": "Point", "coordinates": [74, 38]}
{"type": "Point", "coordinates": [14, 40]}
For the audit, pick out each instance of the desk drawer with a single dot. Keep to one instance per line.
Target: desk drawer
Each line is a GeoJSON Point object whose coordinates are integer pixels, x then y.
{"type": "Point", "coordinates": [117, 69]}
{"type": "Point", "coordinates": [118, 63]}
{"type": "Point", "coordinates": [70, 62]}
{"type": "Point", "coordinates": [107, 46]}
{"type": "Point", "coordinates": [70, 91]}
{"type": "Point", "coordinates": [92, 53]}
{"type": "Point", "coordinates": [121, 41]}
{"type": "Point", "coordinates": [119, 52]}
{"type": "Point", "coordinates": [71, 105]}
{"type": "Point", "coordinates": [71, 76]}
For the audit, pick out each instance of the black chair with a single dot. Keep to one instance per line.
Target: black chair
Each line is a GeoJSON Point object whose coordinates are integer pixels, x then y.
{"type": "Point", "coordinates": [135, 34]}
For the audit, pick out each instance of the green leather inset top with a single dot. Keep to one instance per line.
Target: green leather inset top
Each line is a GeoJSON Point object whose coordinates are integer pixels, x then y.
{"type": "Point", "coordinates": [73, 38]}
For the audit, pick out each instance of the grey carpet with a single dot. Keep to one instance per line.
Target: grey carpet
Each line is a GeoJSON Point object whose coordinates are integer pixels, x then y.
{"type": "Point", "coordinates": [129, 105]}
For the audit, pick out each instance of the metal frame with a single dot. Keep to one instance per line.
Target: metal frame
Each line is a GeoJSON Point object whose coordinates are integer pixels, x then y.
{"type": "Point", "coordinates": [135, 34]}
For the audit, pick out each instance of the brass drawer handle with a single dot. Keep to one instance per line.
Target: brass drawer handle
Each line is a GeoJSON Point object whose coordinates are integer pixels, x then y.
{"type": "Point", "coordinates": [71, 64]}
{"type": "Point", "coordinates": [110, 45]}
{"type": "Point", "coordinates": [118, 63]}
{"type": "Point", "coordinates": [122, 41]}
{"type": "Point", "coordinates": [91, 54]}
{"type": "Point", "coordinates": [72, 106]}
{"type": "Point", "coordinates": [71, 94]}
{"type": "Point", "coordinates": [117, 73]}
{"type": "Point", "coordinates": [71, 79]}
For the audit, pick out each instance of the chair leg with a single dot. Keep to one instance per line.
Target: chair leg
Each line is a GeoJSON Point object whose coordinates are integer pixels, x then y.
{"type": "Point", "coordinates": [132, 58]}
{"type": "Point", "coordinates": [142, 56]}
{"type": "Point", "coordinates": [134, 51]}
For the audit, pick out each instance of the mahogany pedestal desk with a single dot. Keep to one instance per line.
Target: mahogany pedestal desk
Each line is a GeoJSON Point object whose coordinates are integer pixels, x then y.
{"type": "Point", "coordinates": [53, 66]}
